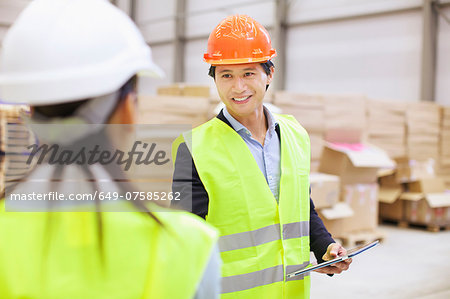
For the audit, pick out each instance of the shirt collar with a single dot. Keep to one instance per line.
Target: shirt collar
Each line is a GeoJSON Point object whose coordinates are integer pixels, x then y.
{"type": "Point", "coordinates": [237, 126]}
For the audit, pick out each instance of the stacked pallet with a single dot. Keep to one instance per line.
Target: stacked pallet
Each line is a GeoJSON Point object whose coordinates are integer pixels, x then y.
{"type": "Point", "coordinates": [183, 89]}
{"type": "Point", "coordinates": [167, 109]}
{"type": "Point", "coordinates": [386, 126]}
{"type": "Point", "coordinates": [423, 202]}
{"type": "Point", "coordinates": [443, 164]}
{"type": "Point", "coordinates": [345, 118]}
{"type": "Point", "coordinates": [14, 139]}
{"type": "Point", "coordinates": [423, 128]}
{"type": "Point", "coordinates": [309, 111]}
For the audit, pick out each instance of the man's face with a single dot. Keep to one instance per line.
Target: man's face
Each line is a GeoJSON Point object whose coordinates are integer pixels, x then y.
{"type": "Point", "coordinates": [242, 87]}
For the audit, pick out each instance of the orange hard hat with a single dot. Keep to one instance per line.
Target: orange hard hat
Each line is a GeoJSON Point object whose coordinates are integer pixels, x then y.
{"type": "Point", "coordinates": [239, 39]}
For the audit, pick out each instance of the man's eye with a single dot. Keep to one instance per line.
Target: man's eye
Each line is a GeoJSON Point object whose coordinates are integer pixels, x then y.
{"type": "Point", "coordinates": [226, 76]}
{"type": "Point", "coordinates": [249, 74]}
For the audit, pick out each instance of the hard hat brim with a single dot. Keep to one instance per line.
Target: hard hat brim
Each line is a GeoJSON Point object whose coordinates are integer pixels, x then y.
{"type": "Point", "coordinates": [154, 72]}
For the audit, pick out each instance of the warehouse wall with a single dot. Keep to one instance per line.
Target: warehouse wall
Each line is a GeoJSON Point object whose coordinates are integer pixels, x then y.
{"type": "Point", "coordinates": [378, 56]}
{"type": "Point", "coordinates": [9, 10]}
{"type": "Point", "coordinates": [443, 61]}
{"type": "Point", "coordinates": [333, 46]}
{"type": "Point", "coordinates": [157, 23]}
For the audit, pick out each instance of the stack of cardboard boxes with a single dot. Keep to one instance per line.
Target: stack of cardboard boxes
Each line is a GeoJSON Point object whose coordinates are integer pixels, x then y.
{"type": "Point", "coordinates": [427, 203]}
{"type": "Point", "coordinates": [386, 126]}
{"type": "Point", "coordinates": [390, 206]}
{"type": "Point", "coordinates": [165, 109]}
{"type": "Point", "coordinates": [324, 189]}
{"type": "Point", "coordinates": [14, 139]}
{"type": "Point", "coordinates": [356, 164]}
{"type": "Point", "coordinates": [423, 128]}
{"type": "Point", "coordinates": [443, 165]}
{"type": "Point", "coordinates": [345, 118]}
{"type": "Point", "coordinates": [423, 202]}
{"type": "Point", "coordinates": [309, 112]}
{"type": "Point", "coordinates": [176, 104]}
{"type": "Point", "coordinates": [183, 89]}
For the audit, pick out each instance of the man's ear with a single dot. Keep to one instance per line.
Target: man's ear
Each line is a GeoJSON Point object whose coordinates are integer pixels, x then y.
{"type": "Point", "coordinates": [270, 76]}
{"type": "Point", "coordinates": [125, 113]}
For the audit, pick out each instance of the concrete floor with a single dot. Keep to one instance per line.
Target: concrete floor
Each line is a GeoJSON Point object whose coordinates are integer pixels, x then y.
{"type": "Point", "coordinates": [409, 263]}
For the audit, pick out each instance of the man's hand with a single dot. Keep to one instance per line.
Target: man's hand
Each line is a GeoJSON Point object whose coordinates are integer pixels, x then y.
{"type": "Point", "coordinates": [333, 251]}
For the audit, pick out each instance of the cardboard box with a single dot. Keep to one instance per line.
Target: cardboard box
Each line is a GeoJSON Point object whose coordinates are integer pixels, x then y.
{"type": "Point", "coordinates": [387, 178]}
{"type": "Point", "coordinates": [445, 117]}
{"type": "Point", "coordinates": [307, 109]}
{"type": "Point", "coordinates": [181, 104]}
{"type": "Point", "coordinates": [173, 90]}
{"type": "Point", "coordinates": [427, 208]}
{"type": "Point", "coordinates": [299, 100]}
{"type": "Point", "coordinates": [409, 170]}
{"type": "Point", "coordinates": [163, 117]}
{"type": "Point", "coordinates": [314, 167]}
{"type": "Point", "coordinates": [387, 126]}
{"type": "Point", "coordinates": [183, 89]}
{"type": "Point", "coordinates": [333, 218]}
{"type": "Point", "coordinates": [173, 110]}
{"type": "Point", "coordinates": [428, 185]}
{"type": "Point", "coordinates": [427, 202]}
{"type": "Point", "coordinates": [317, 144]}
{"type": "Point", "coordinates": [343, 135]}
{"type": "Point", "coordinates": [390, 206]}
{"type": "Point", "coordinates": [345, 112]}
{"type": "Point", "coordinates": [446, 178]}
{"type": "Point", "coordinates": [363, 199]}
{"type": "Point", "coordinates": [420, 152]}
{"type": "Point", "coordinates": [311, 119]}
{"type": "Point", "coordinates": [353, 163]}
{"type": "Point", "coordinates": [423, 110]}
{"type": "Point", "coordinates": [197, 91]}
{"type": "Point", "coordinates": [324, 189]}
{"type": "Point", "coordinates": [387, 106]}
{"type": "Point", "coordinates": [385, 129]}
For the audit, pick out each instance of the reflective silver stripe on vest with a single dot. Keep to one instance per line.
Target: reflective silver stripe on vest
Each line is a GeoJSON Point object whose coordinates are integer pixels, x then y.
{"type": "Point", "coordinates": [296, 230]}
{"type": "Point", "coordinates": [250, 280]}
{"type": "Point", "coordinates": [255, 279]}
{"type": "Point", "coordinates": [263, 235]}
{"type": "Point", "coordinates": [251, 238]}
{"type": "Point", "coordinates": [293, 268]}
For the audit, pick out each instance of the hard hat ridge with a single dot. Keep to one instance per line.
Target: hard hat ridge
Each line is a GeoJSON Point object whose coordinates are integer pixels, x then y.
{"type": "Point", "coordinates": [239, 39]}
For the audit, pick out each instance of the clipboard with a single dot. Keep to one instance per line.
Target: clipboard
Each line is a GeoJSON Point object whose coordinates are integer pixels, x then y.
{"type": "Point", "coordinates": [350, 253]}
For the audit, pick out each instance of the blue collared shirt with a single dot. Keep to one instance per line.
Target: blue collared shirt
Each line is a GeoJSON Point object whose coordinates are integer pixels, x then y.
{"type": "Point", "coordinates": [268, 156]}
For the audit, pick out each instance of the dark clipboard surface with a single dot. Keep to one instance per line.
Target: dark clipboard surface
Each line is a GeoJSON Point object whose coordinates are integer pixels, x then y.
{"type": "Point", "coordinates": [350, 253]}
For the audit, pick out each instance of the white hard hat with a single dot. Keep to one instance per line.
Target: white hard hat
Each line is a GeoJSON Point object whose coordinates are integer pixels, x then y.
{"type": "Point", "coordinates": [65, 50]}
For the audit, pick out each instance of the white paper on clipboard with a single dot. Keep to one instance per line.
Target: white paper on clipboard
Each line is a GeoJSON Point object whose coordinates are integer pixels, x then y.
{"type": "Point", "coordinates": [350, 253]}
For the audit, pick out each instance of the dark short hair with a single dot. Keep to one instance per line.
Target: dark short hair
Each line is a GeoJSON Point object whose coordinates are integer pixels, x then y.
{"type": "Point", "coordinates": [265, 65]}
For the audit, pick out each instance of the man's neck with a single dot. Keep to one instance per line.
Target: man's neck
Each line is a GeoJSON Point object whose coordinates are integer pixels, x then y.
{"type": "Point", "coordinates": [256, 123]}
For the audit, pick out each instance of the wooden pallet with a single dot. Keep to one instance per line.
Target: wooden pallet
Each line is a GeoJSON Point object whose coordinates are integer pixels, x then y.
{"type": "Point", "coordinates": [428, 227]}
{"type": "Point", "coordinates": [399, 223]}
{"type": "Point", "coordinates": [356, 238]}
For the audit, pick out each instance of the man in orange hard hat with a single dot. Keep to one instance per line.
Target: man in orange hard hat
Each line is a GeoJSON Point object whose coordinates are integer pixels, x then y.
{"type": "Point", "coordinates": [247, 172]}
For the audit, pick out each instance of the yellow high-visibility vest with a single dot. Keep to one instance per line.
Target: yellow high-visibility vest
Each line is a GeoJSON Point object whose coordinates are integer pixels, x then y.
{"type": "Point", "coordinates": [56, 255]}
{"type": "Point", "coordinates": [260, 241]}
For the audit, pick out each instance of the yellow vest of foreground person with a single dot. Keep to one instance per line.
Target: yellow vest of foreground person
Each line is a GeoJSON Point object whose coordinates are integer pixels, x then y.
{"type": "Point", "coordinates": [260, 241]}
{"type": "Point", "coordinates": [56, 255]}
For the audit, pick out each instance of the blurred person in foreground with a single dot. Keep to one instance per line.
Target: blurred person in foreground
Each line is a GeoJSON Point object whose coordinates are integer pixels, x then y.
{"type": "Point", "coordinates": [76, 62]}
{"type": "Point", "coordinates": [246, 172]}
